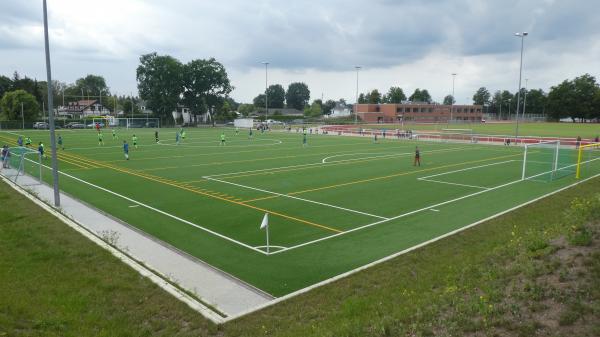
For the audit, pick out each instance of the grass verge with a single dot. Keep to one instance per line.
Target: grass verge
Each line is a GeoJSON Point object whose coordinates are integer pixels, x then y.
{"type": "Point", "coordinates": [533, 271]}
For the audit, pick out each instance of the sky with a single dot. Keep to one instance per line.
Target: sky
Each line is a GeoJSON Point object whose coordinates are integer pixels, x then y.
{"type": "Point", "coordinates": [406, 43]}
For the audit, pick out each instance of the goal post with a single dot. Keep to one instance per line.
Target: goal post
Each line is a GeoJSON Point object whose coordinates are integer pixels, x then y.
{"type": "Point", "coordinates": [457, 135]}
{"type": "Point", "coordinates": [547, 161]}
{"type": "Point", "coordinates": [133, 123]}
{"type": "Point", "coordinates": [23, 160]}
{"type": "Point", "coordinates": [588, 160]}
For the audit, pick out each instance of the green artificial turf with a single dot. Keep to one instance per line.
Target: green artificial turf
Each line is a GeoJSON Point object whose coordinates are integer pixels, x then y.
{"type": "Point", "coordinates": [319, 197]}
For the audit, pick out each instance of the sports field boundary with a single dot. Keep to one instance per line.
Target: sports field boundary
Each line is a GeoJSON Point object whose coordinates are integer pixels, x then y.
{"type": "Point", "coordinates": [402, 252]}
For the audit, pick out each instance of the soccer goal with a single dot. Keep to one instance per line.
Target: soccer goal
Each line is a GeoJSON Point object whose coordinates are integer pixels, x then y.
{"type": "Point", "coordinates": [588, 160]}
{"type": "Point", "coordinates": [131, 123]}
{"type": "Point", "coordinates": [457, 135]}
{"type": "Point", "coordinates": [23, 160]}
{"type": "Point", "coordinates": [547, 161]}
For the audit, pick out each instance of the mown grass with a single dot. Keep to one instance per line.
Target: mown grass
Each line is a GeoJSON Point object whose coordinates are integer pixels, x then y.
{"type": "Point", "coordinates": [518, 275]}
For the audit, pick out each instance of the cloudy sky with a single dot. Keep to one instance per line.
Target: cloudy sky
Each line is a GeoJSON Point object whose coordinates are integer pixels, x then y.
{"type": "Point", "coordinates": [406, 43]}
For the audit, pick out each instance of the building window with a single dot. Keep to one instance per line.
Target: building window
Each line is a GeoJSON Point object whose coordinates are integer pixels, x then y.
{"type": "Point", "coordinates": [377, 108]}
{"type": "Point", "coordinates": [398, 110]}
{"type": "Point", "coordinates": [430, 109]}
{"type": "Point", "coordinates": [415, 110]}
{"type": "Point", "coordinates": [472, 110]}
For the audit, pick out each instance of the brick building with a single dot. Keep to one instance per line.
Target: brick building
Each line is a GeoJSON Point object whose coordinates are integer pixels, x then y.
{"type": "Point", "coordinates": [418, 112]}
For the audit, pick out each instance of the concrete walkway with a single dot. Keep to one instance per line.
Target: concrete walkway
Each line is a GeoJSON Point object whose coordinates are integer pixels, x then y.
{"type": "Point", "coordinates": [227, 294]}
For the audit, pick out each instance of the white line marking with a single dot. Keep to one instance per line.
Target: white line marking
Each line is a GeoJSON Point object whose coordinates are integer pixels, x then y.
{"type": "Point", "coordinates": [434, 210]}
{"type": "Point", "coordinates": [224, 175]}
{"type": "Point", "coordinates": [324, 161]}
{"type": "Point", "coordinates": [132, 206]}
{"type": "Point", "coordinates": [392, 256]}
{"type": "Point", "coordinates": [276, 142]}
{"type": "Point", "coordinates": [408, 213]}
{"type": "Point", "coordinates": [155, 276]}
{"type": "Point", "coordinates": [455, 184]}
{"type": "Point", "coordinates": [398, 216]}
{"type": "Point", "coordinates": [467, 169]}
{"type": "Point", "coordinates": [158, 211]}
{"type": "Point", "coordinates": [293, 197]}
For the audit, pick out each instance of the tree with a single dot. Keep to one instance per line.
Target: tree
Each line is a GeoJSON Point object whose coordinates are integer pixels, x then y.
{"type": "Point", "coordinates": [560, 99]}
{"type": "Point", "coordinates": [449, 100]}
{"type": "Point", "coordinates": [27, 84]}
{"type": "Point", "coordinates": [362, 99]}
{"type": "Point", "coordinates": [536, 101]}
{"type": "Point", "coordinates": [328, 107]}
{"type": "Point", "coordinates": [395, 95]}
{"type": "Point", "coordinates": [374, 97]}
{"type": "Point", "coordinates": [160, 83]}
{"type": "Point", "coordinates": [297, 95]}
{"type": "Point", "coordinates": [575, 99]}
{"type": "Point", "coordinates": [585, 87]}
{"type": "Point", "coordinates": [5, 85]}
{"type": "Point", "coordinates": [276, 96]}
{"type": "Point", "coordinates": [205, 85]}
{"type": "Point", "coordinates": [10, 105]}
{"type": "Point", "coordinates": [259, 102]}
{"type": "Point", "coordinates": [420, 96]}
{"type": "Point", "coordinates": [314, 110]}
{"type": "Point", "coordinates": [92, 84]}
{"type": "Point", "coordinates": [481, 97]}
{"type": "Point", "coordinates": [245, 109]}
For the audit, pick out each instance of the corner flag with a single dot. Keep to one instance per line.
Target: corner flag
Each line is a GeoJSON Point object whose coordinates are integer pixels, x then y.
{"type": "Point", "coordinates": [265, 225]}
{"type": "Point", "coordinates": [265, 221]}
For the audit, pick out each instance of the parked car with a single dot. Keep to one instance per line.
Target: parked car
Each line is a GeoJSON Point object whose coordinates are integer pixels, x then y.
{"type": "Point", "coordinates": [93, 125]}
{"type": "Point", "coordinates": [40, 125]}
{"type": "Point", "coordinates": [76, 126]}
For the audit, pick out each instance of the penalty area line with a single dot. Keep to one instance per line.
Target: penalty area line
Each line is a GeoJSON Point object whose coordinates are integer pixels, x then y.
{"type": "Point", "coordinates": [296, 198]}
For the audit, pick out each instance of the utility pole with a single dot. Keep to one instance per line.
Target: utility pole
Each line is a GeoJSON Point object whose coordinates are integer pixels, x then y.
{"type": "Point", "coordinates": [522, 36]}
{"type": "Point", "coordinates": [22, 116]}
{"type": "Point", "coordinates": [51, 115]}
{"type": "Point", "coordinates": [452, 102]}
{"type": "Point", "coordinates": [356, 104]}
{"type": "Point", "coordinates": [266, 93]}
{"type": "Point", "coordinates": [525, 98]}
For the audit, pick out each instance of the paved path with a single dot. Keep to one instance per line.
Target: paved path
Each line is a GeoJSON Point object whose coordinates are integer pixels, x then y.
{"type": "Point", "coordinates": [229, 295]}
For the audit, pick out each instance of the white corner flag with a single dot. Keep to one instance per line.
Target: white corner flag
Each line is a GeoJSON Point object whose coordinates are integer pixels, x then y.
{"type": "Point", "coordinates": [265, 221]}
{"type": "Point", "coordinates": [265, 225]}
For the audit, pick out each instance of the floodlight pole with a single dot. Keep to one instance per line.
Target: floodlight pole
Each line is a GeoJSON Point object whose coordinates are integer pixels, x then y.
{"type": "Point", "coordinates": [22, 116]}
{"type": "Point", "coordinates": [356, 104]}
{"type": "Point", "coordinates": [266, 92]}
{"type": "Point", "coordinates": [522, 36]}
{"type": "Point", "coordinates": [50, 111]}
{"type": "Point", "coordinates": [452, 100]}
{"type": "Point", "coordinates": [525, 98]}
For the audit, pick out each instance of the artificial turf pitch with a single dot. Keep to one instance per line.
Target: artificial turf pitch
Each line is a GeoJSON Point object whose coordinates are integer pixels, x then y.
{"type": "Point", "coordinates": [334, 205]}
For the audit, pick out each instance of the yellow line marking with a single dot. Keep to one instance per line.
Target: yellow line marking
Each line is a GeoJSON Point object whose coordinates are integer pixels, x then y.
{"type": "Point", "coordinates": [175, 184]}
{"type": "Point", "coordinates": [400, 174]}
{"type": "Point", "coordinates": [325, 165]}
{"type": "Point", "coordinates": [80, 165]}
{"type": "Point", "coordinates": [379, 178]}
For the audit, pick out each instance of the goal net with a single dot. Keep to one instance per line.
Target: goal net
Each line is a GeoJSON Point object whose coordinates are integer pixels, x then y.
{"type": "Point", "coordinates": [457, 135]}
{"type": "Point", "coordinates": [22, 161]}
{"type": "Point", "coordinates": [547, 161]}
{"type": "Point", "coordinates": [588, 160]}
{"type": "Point", "coordinates": [131, 123]}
